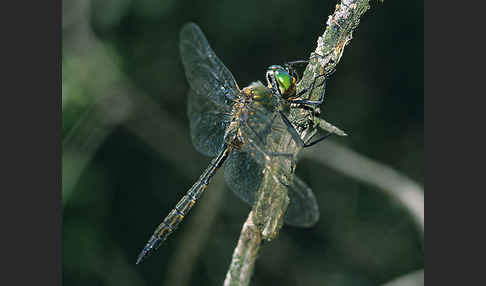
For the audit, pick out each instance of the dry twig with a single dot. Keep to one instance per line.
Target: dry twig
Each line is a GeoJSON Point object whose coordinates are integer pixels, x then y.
{"type": "Point", "coordinates": [272, 200]}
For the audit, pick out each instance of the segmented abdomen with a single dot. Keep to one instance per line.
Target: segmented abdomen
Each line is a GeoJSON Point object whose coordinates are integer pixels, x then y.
{"type": "Point", "coordinates": [174, 218]}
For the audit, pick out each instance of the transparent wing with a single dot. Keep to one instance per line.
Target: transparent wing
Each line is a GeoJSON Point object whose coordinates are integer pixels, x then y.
{"type": "Point", "coordinates": [263, 131]}
{"type": "Point", "coordinates": [207, 123]}
{"type": "Point", "coordinates": [260, 127]}
{"type": "Point", "coordinates": [244, 176]}
{"type": "Point", "coordinates": [303, 210]}
{"type": "Point", "coordinates": [205, 72]}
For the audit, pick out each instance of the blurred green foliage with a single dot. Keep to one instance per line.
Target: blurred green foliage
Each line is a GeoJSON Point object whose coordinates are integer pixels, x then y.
{"type": "Point", "coordinates": [117, 186]}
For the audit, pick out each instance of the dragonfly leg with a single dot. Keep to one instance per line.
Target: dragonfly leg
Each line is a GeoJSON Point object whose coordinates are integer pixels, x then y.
{"type": "Point", "coordinates": [296, 135]}
{"type": "Point", "coordinates": [314, 55]}
{"type": "Point", "coordinates": [312, 102]}
{"type": "Point", "coordinates": [292, 70]}
{"type": "Point", "coordinates": [289, 65]}
{"type": "Point", "coordinates": [316, 141]}
{"type": "Point", "coordinates": [292, 63]}
{"type": "Point", "coordinates": [292, 130]}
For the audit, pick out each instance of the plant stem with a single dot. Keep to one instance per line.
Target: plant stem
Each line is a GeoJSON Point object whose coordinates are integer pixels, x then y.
{"type": "Point", "coordinates": [266, 217]}
{"type": "Point", "coordinates": [244, 255]}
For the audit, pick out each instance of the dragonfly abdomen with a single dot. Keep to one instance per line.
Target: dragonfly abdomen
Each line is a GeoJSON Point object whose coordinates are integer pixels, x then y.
{"type": "Point", "coordinates": [177, 214]}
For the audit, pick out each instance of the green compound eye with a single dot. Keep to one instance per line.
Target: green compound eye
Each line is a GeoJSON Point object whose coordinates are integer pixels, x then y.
{"type": "Point", "coordinates": [284, 80]}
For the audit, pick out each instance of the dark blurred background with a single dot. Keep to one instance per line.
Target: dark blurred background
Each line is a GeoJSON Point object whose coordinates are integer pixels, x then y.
{"type": "Point", "coordinates": [128, 158]}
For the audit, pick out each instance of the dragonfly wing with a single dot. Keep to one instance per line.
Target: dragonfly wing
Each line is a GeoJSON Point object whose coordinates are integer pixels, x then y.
{"type": "Point", "coordinates": [263, 131]}
{"type": "Point", "coordinates": [207, 122]}
{"type": "Point", "coordinates": [243, 175]}
{"type": "Point", "coordinates": [303, 210]}
{"type": "Point", "coordinates": [205, 72]}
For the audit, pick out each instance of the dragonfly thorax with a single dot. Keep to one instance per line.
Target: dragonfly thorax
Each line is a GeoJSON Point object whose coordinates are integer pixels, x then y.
{"type": "Point", "coordinates": [261, 94]}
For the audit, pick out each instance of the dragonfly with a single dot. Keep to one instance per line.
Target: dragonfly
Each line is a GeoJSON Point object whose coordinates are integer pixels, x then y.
{"type": "Point", "coordinates": [240, 128]}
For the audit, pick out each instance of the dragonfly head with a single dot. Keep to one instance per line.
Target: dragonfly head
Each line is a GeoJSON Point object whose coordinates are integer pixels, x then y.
{"type": "Point", "coordinates": [283, 79]}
